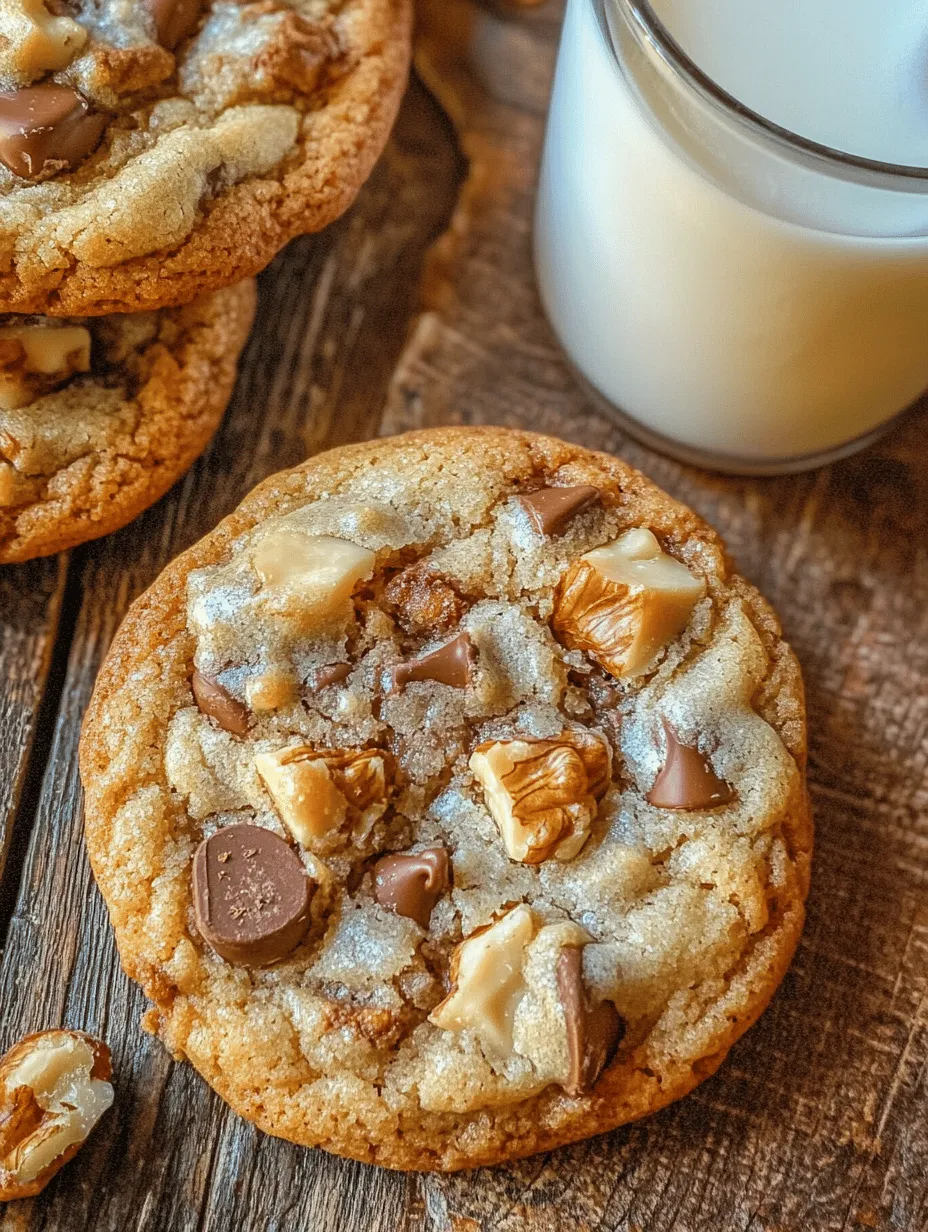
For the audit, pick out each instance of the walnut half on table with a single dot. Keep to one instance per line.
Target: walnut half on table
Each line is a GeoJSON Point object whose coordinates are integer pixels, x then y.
{"type": "Point", "coordinates": [54, 1087]}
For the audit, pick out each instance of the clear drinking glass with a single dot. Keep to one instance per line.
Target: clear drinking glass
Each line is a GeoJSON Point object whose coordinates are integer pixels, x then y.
{"type": "Point", "coordinates": [740, 297]}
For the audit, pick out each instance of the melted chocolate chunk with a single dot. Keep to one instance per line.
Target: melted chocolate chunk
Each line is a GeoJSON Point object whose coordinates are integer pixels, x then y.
{"type": "Point", "coordinates": [175, 20]}
{"type": "Point", "coordinates": [251, 895]}
{"type": "Point", "coordinates": [451, 664]}
{"type": "Point", "coordinates": [333, 674]}
{"type": "Point", "coordinates": [411, 885]}
{"type": "Point", "coordinates": [687, 780]}
{"type": "Point", "coordinates": [552, 508]}
{"type": "Point", "coordinates": [46, 129]}
{"type": "Point", "coordinates": [231, 714]}
{"type": "Point", "coordinates": [594, 1032]}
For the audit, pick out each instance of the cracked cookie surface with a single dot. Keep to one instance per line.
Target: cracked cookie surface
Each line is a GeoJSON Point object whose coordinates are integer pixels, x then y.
{"type": "Point", "coordinates": [99, 416]}
{"type": "Point", "coordinates": [535, 757]}
{"type": "Point", "coordinates": [153, 151]}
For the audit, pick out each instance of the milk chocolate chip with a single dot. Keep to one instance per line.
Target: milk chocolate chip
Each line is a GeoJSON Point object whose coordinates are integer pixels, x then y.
{"type": "Point", "coordinates": [219, 704]}
{"type": "Point", "coordinates": [411, 885]}
{"type": "Point", "coordinates": [552, 508]}
{"type": "Point", "coordinates": [175, 20]}
{"type": "Point", "coordinates": [687, 780]}
{"type": "Point", "coordinates": [451, 664]}
{"type": "Point", "coordinates": [251, 895]}
{"type": "Point", "coordinates": [46, 129]}
{"type": "Point", "coordinates": [335, 673]}
{"type": "Point", "coordinates": [594, 1032]}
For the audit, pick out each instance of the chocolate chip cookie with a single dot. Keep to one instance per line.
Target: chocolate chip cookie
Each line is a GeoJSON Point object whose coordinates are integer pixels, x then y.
{"type": "Point", "coordinates": [100, 415]}
{"type": "Point", "coordinates": [154, 150]}
{"type": "Point", "coordinates": [448, 800]}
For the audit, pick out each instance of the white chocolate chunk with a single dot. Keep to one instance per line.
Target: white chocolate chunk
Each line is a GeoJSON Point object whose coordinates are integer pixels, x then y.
{"type": "Point", "coordinates": [34, 359]}
{"type": "Point", "coordinates": [623, 603]}
{"type": "Point", "coordinates": [35, 41]}
{"type": "Point", "coordinates": [488, 982]}
{"type": "Point", "coordinates": [316, 573]}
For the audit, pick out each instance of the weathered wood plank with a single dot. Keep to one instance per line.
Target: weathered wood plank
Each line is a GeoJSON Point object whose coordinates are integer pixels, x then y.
{"type": "Point", "coordinates": [30, 607]}
{"type": "Point", "coordinates": [332, 319]}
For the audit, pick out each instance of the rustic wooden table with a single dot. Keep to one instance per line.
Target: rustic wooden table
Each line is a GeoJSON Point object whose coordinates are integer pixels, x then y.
{"type": "Point", "coordinates": [419, 308]}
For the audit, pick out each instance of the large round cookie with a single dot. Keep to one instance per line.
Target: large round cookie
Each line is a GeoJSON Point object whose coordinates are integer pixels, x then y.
{"type": "Point", "coordinates": [100, 415]}
{"type": "Point", "coordinates": [473, 903]}
{"type": "Point", "coordinates": [151, 150]}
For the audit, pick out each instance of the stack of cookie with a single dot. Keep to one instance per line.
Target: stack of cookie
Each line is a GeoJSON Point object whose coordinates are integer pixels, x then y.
{"type": "Point", "coordinates": [152, 157]}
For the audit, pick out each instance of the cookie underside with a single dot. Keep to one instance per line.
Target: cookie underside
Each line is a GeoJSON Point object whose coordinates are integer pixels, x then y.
{"type": "Point", "coordinates": [693, 917]}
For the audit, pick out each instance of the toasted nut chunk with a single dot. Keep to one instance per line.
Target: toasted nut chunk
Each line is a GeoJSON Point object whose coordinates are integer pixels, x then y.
{"type": "Point", "coordinates": [314, 790]}
{"type": "Point", "coordinates": [424, 601]}
{"type": "Point", "coordinates": [35, 41]}
{"type": "Point", "coordinates": [35, 359]}
{"type": "Point", "coordinates": [624, 602]}
{"type": "Point", "coordinates": [543, 794]}
{"type": "Point", "coordinates": [487, 983]}
{"type": "Point", "coordinates": [311, 573]}
{"type": "Point", "coordinates": [54, 1087]}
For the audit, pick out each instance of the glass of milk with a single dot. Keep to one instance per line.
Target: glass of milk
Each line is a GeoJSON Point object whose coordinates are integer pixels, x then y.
{"type": "Point", "coordinates": [732, 225]}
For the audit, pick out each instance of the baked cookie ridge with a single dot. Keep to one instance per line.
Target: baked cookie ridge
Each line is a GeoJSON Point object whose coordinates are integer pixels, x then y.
{"type": "Point", "coordinates": [456, 807]}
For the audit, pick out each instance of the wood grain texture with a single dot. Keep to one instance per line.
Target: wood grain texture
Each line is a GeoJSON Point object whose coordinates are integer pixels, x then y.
{"type": "Point", "coordinates": [817, 1121]}
{"type": "Point", "coordinates": [30, 607]}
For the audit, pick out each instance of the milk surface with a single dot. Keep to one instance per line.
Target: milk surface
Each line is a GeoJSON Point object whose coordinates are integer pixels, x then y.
{"type": "Point", "coordinates": [852, 74]}
{"type": "Point", "coordinates": [721, 292]}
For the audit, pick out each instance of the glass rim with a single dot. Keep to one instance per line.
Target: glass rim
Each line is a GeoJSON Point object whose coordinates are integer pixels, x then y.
{"type": "Point", "coordinates": [650, 27]}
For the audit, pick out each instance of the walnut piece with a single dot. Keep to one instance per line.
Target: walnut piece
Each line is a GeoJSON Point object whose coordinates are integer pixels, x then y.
{"type": "Point", "coordinates": [544, 794]}
{"type": "Point", "coordinates": [487, 983]}
{"type": "Point", "coordinates": [35, 41]}
{"type": "Point", "coordinates": [316, 791]}
{"type": "Point", "coordinates": [424, 602]}
{"type": "Point", "coordinates": [624, 602]}
{"type": "Point", "coordinates": [310, 575]}
{"type": "Point", "coordinates": [35, 359]}
{"type": "Point", "coordinates": [54, 1087]}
